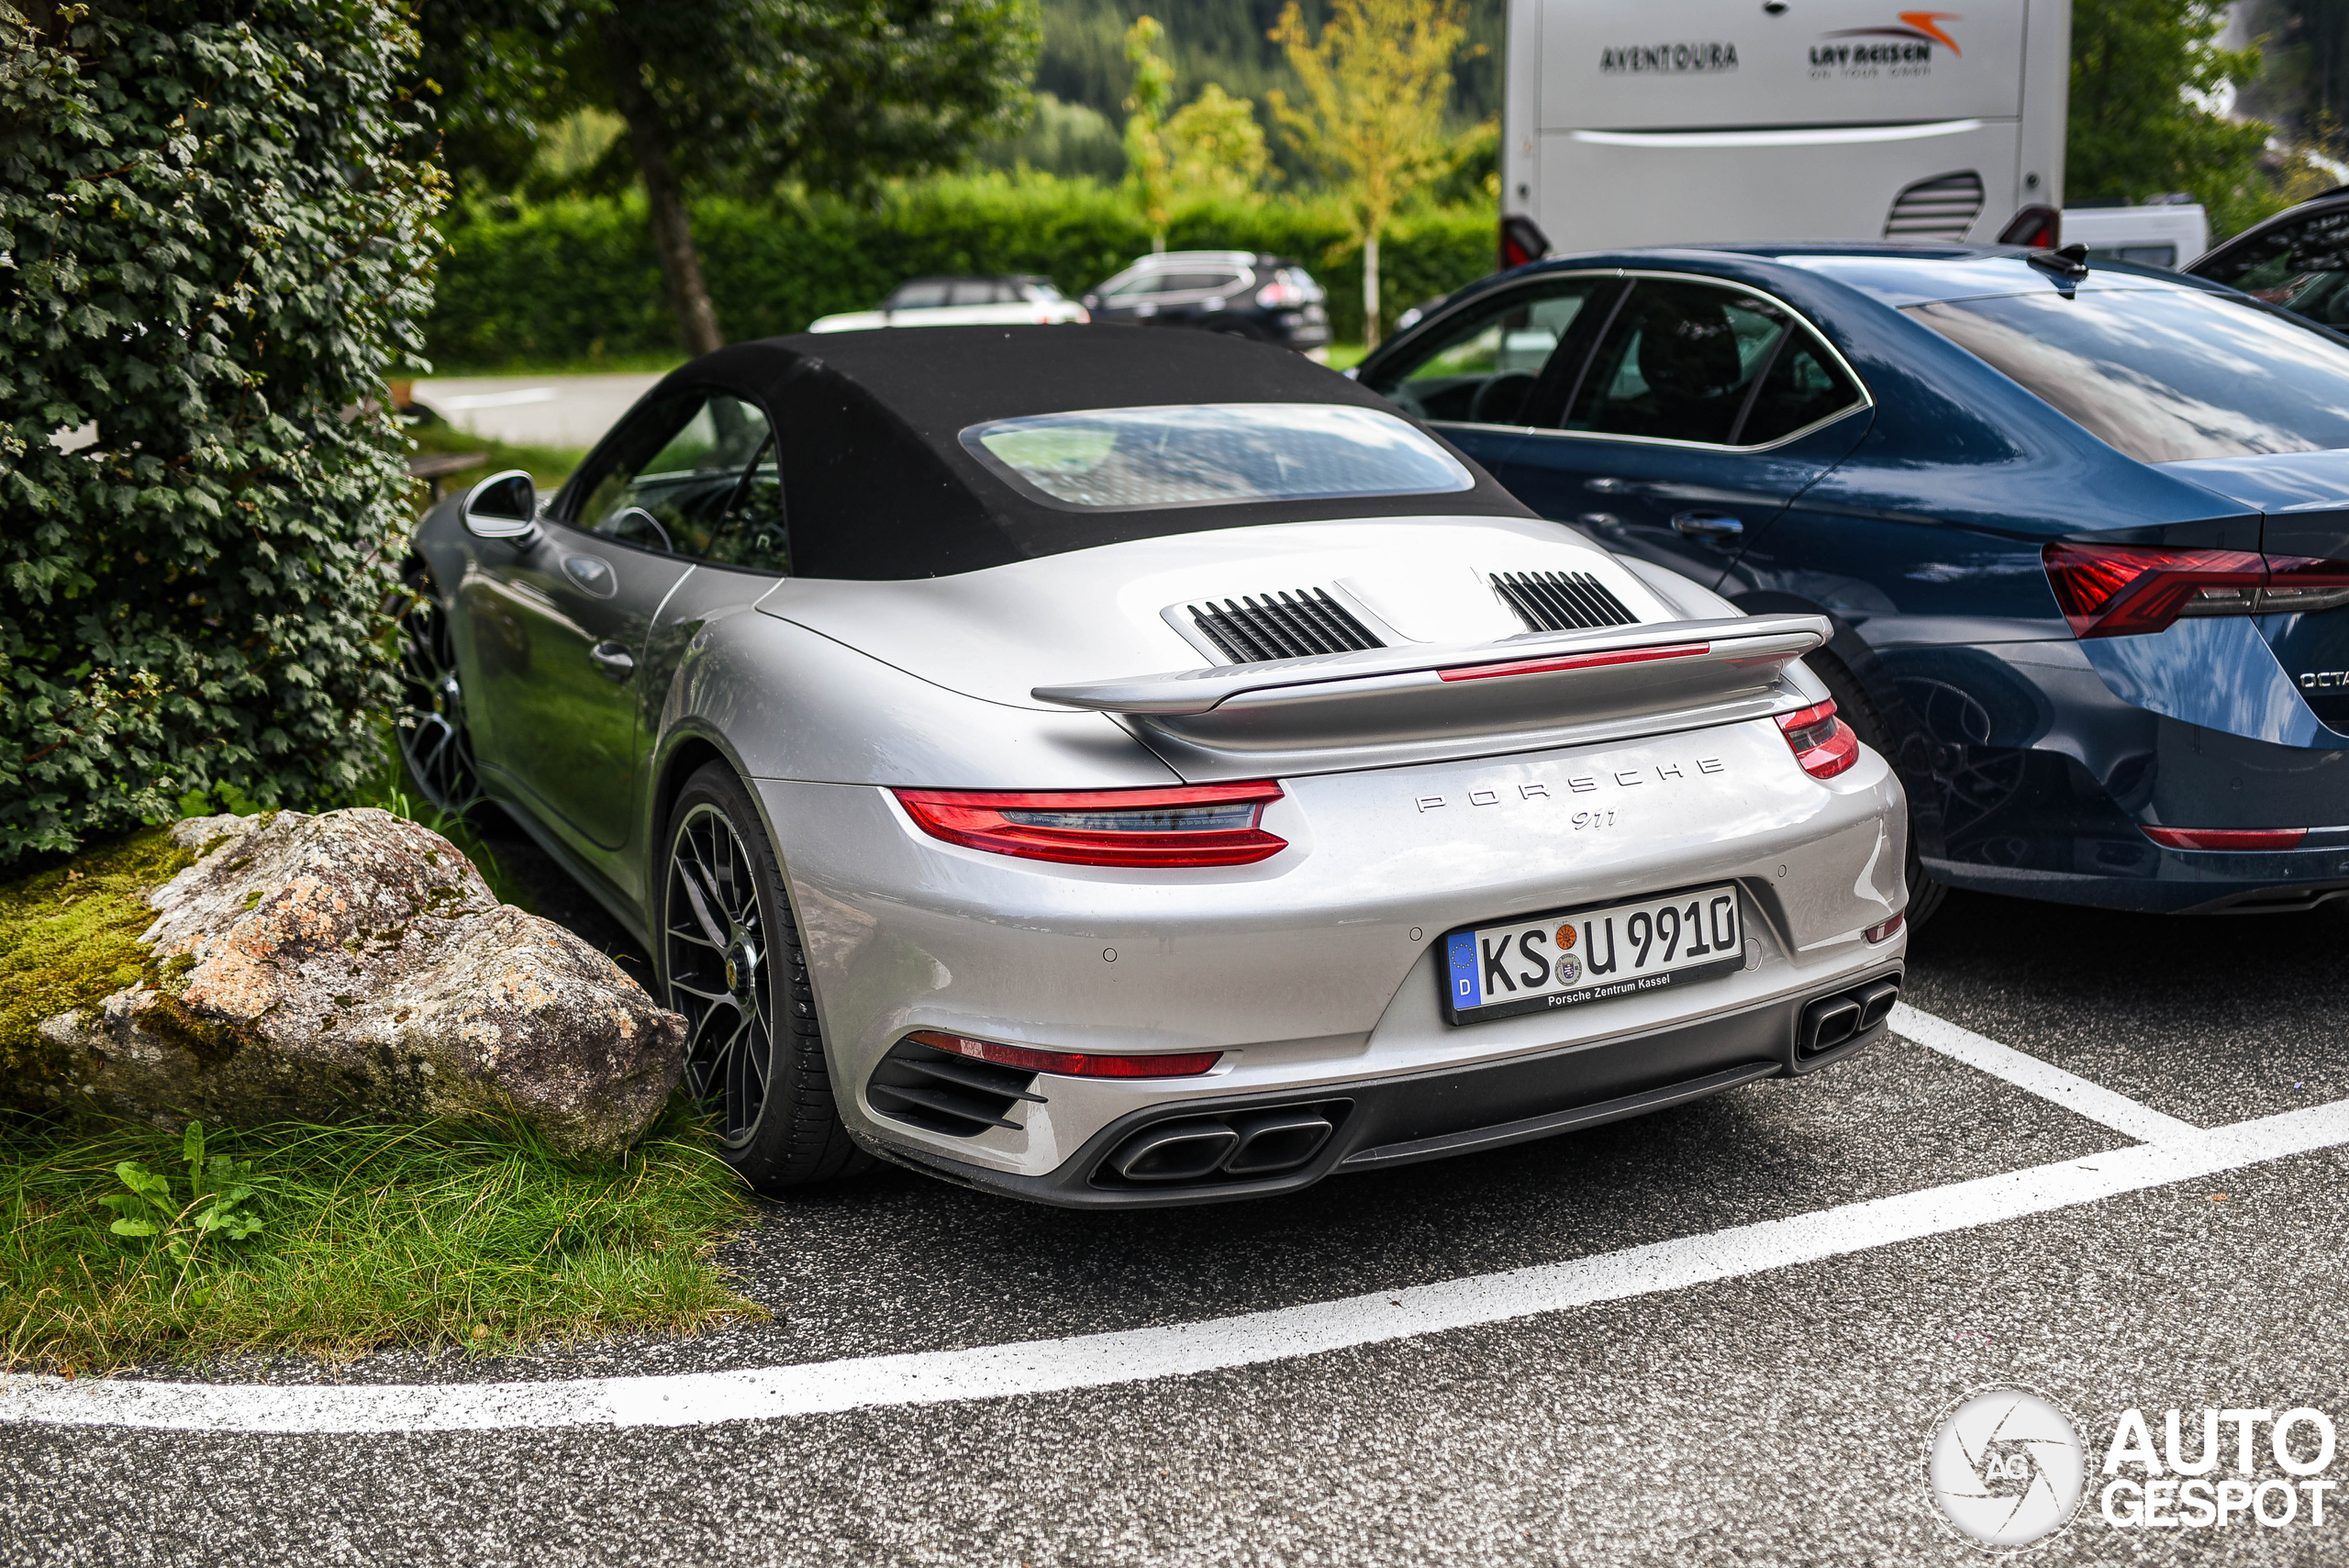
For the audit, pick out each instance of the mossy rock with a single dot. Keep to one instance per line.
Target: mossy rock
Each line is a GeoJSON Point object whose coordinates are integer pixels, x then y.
{"type": "Point", "coordinates": [69, 936]}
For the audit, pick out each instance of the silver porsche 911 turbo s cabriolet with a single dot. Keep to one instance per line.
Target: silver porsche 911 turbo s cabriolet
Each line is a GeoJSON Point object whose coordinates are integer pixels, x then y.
{"type": "Point", "coordinates": [1121, 768]}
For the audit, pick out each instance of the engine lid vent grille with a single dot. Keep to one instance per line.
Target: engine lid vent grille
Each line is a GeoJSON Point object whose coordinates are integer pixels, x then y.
{"type": "Point", "coordinates": [1250, 630]}
{"type": "Point", "coordinates": [1942, 208]}
{"type": "Point", "coordinates": [945, 1093]}
{"type": "Point", "coordinates": [1561, 601]}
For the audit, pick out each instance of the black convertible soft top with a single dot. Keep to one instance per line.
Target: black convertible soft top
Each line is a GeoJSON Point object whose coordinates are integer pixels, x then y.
{"type": "Point", "coordinates": [879, 485]}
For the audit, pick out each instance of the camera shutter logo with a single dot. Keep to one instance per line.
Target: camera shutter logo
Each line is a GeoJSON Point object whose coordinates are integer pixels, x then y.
{"type": "Point", "coordinates": [2004, 1467]}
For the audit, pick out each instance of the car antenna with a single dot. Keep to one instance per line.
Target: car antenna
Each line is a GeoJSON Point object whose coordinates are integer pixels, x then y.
{"type": "Point", "coordinates": [2071, 262]}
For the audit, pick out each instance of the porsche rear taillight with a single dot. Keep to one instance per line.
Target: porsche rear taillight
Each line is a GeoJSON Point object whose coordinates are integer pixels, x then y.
{"type": "Point", "coordinates": [1196, 825]}
{"type": "Point", "coordinates": [1069, 1063]}
{"type": "Point", "coordinates": [2125, 590]}
{"type": "Point", "coordinates": [1823, 743]}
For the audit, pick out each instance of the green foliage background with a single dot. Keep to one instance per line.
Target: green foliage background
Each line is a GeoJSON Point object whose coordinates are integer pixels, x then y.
{"type": "Point", "coordinates": [575, 280]}
{"type": "Point", "coordinates": [2133, 134]}
{"type": "Point", "coordinates": [214, 234]}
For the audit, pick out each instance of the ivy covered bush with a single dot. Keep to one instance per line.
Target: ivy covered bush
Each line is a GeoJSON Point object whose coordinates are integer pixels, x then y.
{"type": "Point", "coordinates": [215, 237]}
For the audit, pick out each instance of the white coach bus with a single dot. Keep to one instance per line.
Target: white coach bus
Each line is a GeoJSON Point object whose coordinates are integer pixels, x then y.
{"type": "Point", "coordinates": [1656, 122]}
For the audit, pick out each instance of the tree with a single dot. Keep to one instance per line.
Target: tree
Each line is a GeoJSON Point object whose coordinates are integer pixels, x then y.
{"type": "Point", "coordinates": [1148, 171]}
{"type": "Point", "coordinates": [216, 236]}
{"type": "Point", "coordinates": [2143, 73]}
{"type": "Point", "coordinates": [1215, 149]}
{"type": "Point", "coordinates": [737, 94]}
{"type": "Point", "coordinates": [1373, 118]}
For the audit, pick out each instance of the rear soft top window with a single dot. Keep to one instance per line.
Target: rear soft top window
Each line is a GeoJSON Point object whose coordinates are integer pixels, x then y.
{"type": "Point", "coordinates": [1212, 454]}
{"type": "Point", "coordinates": [2164, 374]}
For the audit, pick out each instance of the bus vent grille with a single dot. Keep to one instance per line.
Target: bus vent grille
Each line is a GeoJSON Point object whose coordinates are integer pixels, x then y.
{"type": "Point", "coordinates": [1944, 207]}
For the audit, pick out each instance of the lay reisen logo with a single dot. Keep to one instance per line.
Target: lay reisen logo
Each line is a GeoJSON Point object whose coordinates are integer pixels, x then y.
{"type": "Point", "coordinates": [1913, 42]}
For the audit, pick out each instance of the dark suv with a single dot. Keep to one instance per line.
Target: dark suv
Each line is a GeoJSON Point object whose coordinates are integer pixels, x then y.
{"type": "Point", "coordinates": [1270, 298]}
{"type": "Point", "coordinates": [2298, 258]}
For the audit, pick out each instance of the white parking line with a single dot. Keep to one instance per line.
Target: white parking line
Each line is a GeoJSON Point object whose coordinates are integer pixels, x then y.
{"type": "Point", "coordinates": [1098, 1361]}
{"type": "Point", "coordinates": [2049, 1081]}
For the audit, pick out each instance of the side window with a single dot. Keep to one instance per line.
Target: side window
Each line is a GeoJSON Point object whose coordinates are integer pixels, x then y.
{"type": "Point", "coordinates": [1803, 385]}
{"type": "Point", "coordinates": [2304, 269]}
{"type": "Point", "coordinates": [694, 475]}
{"type": "Point", "coordinates": [1483, 367]}
{"type": "Point", "coordinates": [1680, 363]}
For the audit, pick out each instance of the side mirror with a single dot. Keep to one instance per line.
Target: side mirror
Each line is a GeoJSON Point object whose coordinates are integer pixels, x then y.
{"type": "Point", "coordinates": [504, 505]}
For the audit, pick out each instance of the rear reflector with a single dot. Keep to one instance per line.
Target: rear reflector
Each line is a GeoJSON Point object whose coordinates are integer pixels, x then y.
{"type": "Point", "coordinates": [1824, 744]}
{"type": "Point", "coordinates": [1197, 824]}
{"type": "Point", "coordinates": [2226, 837]}
{"type": "Point", "coordinates": [1573, 662]}
{"type": "Point", "coordinates": [2126, 590]}
{"type": "Point", "coordinates": [1883, 931]}
{"type": "Point", "coordinates": [1069, 1063]}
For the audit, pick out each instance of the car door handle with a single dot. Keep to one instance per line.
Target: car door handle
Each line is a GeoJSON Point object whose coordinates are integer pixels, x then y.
{"type": "Point", "coordinates": [612, 660]}
{"type": "Point", "coordinates": [1605, 486]}
{"type": "Point", "coordinates": [1713, 528]}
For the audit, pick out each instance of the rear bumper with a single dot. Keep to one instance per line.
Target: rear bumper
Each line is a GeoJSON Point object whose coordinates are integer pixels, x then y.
{"type": "Point", "coordinates": [1385, 1123]}
{"type": "Point", "coordinates": [1316, 969]}
{"type": "Point", "coordinates": [2031, 777]}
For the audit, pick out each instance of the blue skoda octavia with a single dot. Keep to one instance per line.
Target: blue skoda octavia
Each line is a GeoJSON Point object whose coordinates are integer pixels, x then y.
{"type": "Point", "coordinates": [2082, 529]}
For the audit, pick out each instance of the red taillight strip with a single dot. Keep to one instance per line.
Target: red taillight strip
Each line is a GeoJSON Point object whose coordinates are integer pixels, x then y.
{"type": "Point", "coordinates": [2125, 590]}
{"type": "Point", "coordinates": [1824, 744]}
{"type": "Point", "coordinates": [1572, 662]}
{"type": "Point", "coordinates": [975, 820]}
{"type": "Point", "coordinates": [1069, 1063]}
{"type": "Point", "coordinates": [2226, 837]}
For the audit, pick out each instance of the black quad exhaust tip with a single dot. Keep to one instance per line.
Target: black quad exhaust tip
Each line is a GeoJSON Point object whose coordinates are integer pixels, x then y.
{"type": "Point", "coordinates": [1239, 1146]}
{"type": "Point", "coordinates": [1828, 1023]}
{"type": "Point", "coordinates": [1177, 1152]}
{"type": "Point", "coordinates": [1832, 1020]}
{"type": "Point", "coordinates": [1275, 1142]}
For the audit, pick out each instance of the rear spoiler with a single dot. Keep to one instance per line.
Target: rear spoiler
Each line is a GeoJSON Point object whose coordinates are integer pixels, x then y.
{"type": "Point", "coordinates": [1423, 692]}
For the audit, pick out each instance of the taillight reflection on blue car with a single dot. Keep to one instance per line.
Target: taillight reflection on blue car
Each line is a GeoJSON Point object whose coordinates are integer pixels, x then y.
{"type": "Point", "coordinates": [2125, 590]}
{"type": "Point", "coordinates": [1196, 825]}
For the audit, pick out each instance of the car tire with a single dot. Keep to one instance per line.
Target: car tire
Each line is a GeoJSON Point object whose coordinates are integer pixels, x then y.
{"type": "Point", "coordinates": [1859, 711]}
{"type": "Point", "coordinates": [731, 961]}
{"type": "Point", "coordinates": [435, 747]}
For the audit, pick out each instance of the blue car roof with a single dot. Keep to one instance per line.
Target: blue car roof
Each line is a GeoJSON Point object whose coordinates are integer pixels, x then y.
{"type": "Point", "coordinates": [1894, 275]}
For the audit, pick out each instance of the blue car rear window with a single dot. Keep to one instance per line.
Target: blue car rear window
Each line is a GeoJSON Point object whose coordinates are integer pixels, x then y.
{"type": "Point", "coordinates": [2165, 374]}
{"type": "Point", "coordinates": [1213, 454]}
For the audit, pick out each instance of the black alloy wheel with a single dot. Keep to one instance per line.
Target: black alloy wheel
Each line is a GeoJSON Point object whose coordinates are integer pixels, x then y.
{"type": "Point", "coordinates": [430, 721]}
{"type": "Point", "coordinates": [732, 962]}
{"type": "Point", "coordinates": [1860, 712]}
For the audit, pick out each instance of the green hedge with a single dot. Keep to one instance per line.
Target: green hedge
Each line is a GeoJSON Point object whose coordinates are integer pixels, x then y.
{"type": "Point", "coordinates": [576, 280]}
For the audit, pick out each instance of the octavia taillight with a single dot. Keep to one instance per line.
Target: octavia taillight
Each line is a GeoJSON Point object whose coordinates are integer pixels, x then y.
{"type": "Point", "coordinates": [1823, 743]}
{"type": "Point", "coordinates": [2124, 590]}
{"type": "Point", "coordinates": [1197, 824]}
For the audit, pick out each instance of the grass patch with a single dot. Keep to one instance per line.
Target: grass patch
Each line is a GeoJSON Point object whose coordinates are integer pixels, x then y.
{"type": "Point", "coordinates": [472, 1237]}
{"type": "Point", "coordinates": [1345, 356]}
{"type": "Point", "coordinates": [547, 466]}
{"type": "Point", "coordinates": [655, 362]}
{"type": "Point", "coordinates": [69, 936]}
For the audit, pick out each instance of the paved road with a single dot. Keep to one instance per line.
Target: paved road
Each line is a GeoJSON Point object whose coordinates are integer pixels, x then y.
{"type": "Point", "coordinates": [534, 411]}
{"type": "Point", "coordinates": [2107, 1163]}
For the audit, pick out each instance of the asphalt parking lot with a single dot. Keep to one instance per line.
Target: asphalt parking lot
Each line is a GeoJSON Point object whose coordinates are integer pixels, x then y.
{"type": "Point", "coordinates": [2105, 1160]}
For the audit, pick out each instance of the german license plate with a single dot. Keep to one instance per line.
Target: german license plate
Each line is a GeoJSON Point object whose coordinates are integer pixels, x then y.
{"type": "Point", "coordinates": [1569, 957]}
